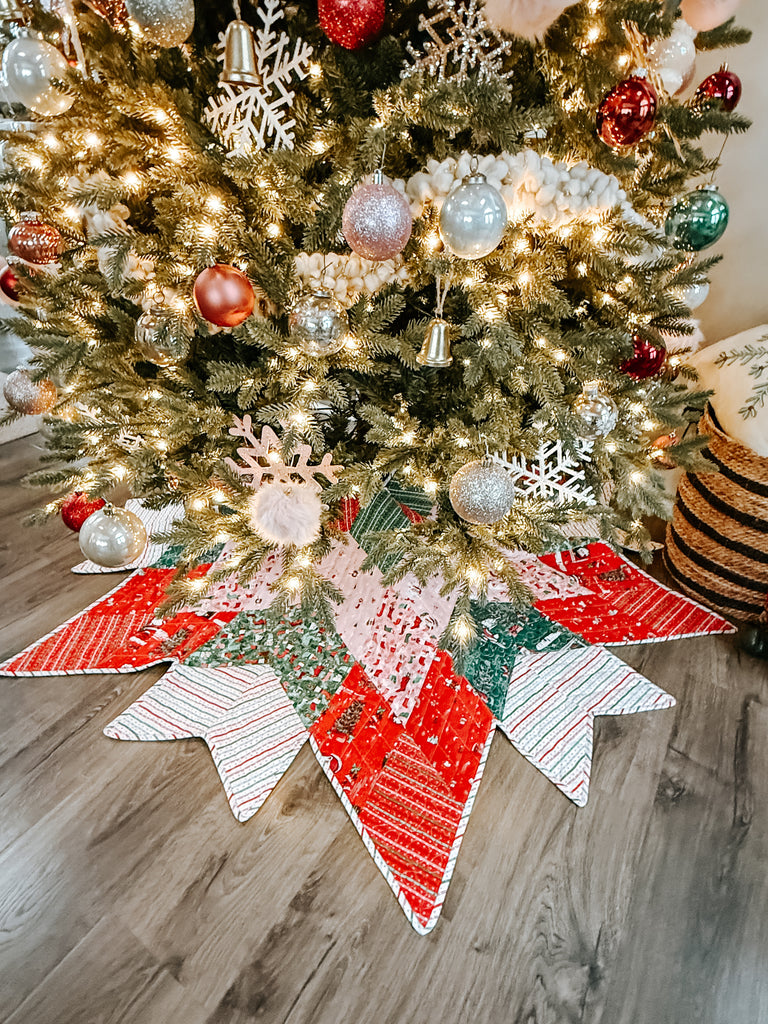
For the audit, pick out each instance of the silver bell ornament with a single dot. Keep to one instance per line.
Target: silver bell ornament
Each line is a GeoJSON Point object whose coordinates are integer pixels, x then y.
{"type": "Point", "coordinates": [482, 492]}
{"type": "Point", "coordinates": [29, 67]}
{"type": "Point", "coordinates": [165, 22]}
{"type": "Point", "coordinates": [241, 66]}
{"type": "Point", "coordinates": [319, 324]}
{"type": "Point", "coordinates": [473, 217]}
{"type": "Point", "coordinates": [597, 412]}
{"type": "Point", "coordinates": [153, 340]}
{"type": "Point", "coordinates": [113, 537]}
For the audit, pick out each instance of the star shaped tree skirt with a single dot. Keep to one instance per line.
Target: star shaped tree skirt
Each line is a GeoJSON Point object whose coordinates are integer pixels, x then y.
{"type": "Point", "coordinates": [402, 737]}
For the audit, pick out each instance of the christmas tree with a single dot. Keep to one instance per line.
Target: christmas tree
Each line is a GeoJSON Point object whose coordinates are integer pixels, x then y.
{"type": "Point", "coordinates": [420, 246]}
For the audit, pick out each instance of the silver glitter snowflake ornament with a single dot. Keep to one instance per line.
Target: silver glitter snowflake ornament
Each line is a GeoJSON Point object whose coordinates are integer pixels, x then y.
{"type": "Point", "coordinates": [255, 117]}
{"type": "Point", "coordinates": [460, 41]}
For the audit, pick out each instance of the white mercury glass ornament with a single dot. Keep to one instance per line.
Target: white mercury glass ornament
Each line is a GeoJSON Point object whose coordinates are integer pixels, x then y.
{"type": "Point", "coordinates": [482, 492]}
{"type": "Point", "coordinates": [113, 537]}
{"type": "Point", "coordinates": [597, 412]}
{"type": "Point", "coordinates": [674, 58]}
{"type": "Point", "coordinates": [29, 65]}
{"type": "Point", "coordinates": [319, 324]}
{"type": "Point", "coordinates": [473, 217]}
{"type": "Point", "coordinates": [165, 22]}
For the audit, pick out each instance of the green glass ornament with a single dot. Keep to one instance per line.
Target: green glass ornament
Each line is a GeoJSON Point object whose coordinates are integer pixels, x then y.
{"type": "Point", "coordinates": [697, 220]}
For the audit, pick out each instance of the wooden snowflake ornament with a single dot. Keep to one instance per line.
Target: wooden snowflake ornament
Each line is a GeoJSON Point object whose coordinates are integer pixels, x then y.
{"type": "Point", "coordinates": [286, 508]}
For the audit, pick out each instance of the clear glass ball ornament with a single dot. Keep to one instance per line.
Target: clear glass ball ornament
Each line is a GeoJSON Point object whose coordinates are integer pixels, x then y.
{"type": "Point", "coordinates": [473, 218]}
{"type": "Point", "coordinates": [113, 537]}
{"type": "Point", "coordinates": [319, 324]}
{"type": "Point", "coordinates": [482, 492]}
{"type": "Point", "coordinates": [151, 341]}
{"type": "Point", "coordinates": [597, 412]}
{"type": "Point", "coordinates": [29, 67]}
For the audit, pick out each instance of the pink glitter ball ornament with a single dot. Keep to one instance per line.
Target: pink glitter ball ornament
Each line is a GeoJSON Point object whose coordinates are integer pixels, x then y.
{"type": "Point", "coordinates": [377, 220]}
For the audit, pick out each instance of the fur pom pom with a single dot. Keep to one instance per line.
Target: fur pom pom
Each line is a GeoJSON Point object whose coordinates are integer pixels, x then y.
{"type": "Point", "coordinates": [527, 18]}
{"type": "Point", "coordinates": [284, 513]}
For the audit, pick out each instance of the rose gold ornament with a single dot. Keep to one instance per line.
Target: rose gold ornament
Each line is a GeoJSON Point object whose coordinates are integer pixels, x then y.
{"type": "Point", "coordinates": [377, 220]}
{"type": "Point", "coordinates": [29, 396]}
{"type": "Point", "coordinates": [223, 295]}
{"type": "Point", "coordinates": [35, 241]}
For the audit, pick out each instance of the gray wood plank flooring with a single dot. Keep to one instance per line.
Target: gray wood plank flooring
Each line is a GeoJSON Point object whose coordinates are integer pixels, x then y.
{"type": "Point", "coordinates": [130, 895]}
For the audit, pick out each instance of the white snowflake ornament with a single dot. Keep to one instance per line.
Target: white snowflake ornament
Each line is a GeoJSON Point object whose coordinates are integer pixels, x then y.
{"type": "Point", "coordinates": [553, 474]}
{"type": "Point", "coordinates": [460, 41]}
{"type": "Point", "coordinates": [255, 117]}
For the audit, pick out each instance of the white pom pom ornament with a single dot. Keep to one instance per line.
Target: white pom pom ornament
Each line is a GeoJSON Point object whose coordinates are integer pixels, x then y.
{"type": "Point", "coordinates": [286, 514]}
{"type": "Point", "coordinates": [528, 18]}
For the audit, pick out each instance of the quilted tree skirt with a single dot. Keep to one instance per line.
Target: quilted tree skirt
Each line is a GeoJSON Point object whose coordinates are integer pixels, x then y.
{"type": "Point", "coordinates": [402, 738]}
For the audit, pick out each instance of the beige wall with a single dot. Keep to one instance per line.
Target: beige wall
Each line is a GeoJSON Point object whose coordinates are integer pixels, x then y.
{"type": "Point", "coordinates": [739, 295]}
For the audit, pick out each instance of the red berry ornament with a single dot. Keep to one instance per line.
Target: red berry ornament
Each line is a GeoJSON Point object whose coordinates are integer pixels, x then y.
{"type": "Point", "coordinates": [722, 87]}
{"type": "Point", "coordinates": [627, 113]}
{"type": "Point", "coordinates": [35, 241]}
{"type": "Point", "coordinates": [76, 508]}
{"type": "Point", "coordinates": [352, 24]}
{"type": "Point", "coordinates": [646, 360]}
{"type": "Point", "coordinates": [223, 295]}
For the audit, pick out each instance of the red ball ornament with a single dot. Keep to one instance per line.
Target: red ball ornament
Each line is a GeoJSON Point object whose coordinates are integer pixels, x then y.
{"type": "Point", "coordinates": [223, 295]}
{"type": "Point", "coordinates": [35, 241]}
{"type": "Point", "coordinates": [9, 284]}
{"type": "Point", "coordinates": [352, 24]}
{"type": "Point", "coordinates": [627, 113]}
{"type": "Point", "coordinates": [646, 360]}
{"type": "Point", "coordinates": [76, 508]}
{"type": "Point", "coordinates": [722, 87]}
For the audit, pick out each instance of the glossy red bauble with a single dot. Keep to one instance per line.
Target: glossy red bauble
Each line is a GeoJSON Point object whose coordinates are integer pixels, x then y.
{"type": "Point", "coordinates": [646, 361]}
{"type": "Point", "coordinates": [722, 87]}
{"type": "Point", "coordinates": [9, 284]}
{"type": "Point", "coordinates": [352, 24]}
{"type": "Point", "coordinates": [627, 113]}
{"type": "Point", "coordinates": [76, 508]}
{"type": "Point", "coordinates": [35, 241]}
{"type": "Point", "coordinates": [223, 295]}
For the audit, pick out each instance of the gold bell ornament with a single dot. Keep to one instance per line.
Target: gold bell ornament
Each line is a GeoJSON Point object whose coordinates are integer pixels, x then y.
{"type": "Point", "coordinates": [241, 65]}
{"type": "Point", "coordinates": [436, 350]}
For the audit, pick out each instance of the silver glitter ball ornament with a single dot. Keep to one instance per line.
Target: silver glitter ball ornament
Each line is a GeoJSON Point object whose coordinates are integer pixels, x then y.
{"type": "Point", "coordinates": [482, 492]}
{"type": "Point", "coordinates": [151, 339]}
{"type": "Point", "coordinates": [473, 218]}
{"type": "Point", "coordinates": [319, 324]}
{"type": "Point", "coordinates": [597, 412]}
{"type": "Point", "coordinates": [165, 22]}
{"type": "Point", "coordinates": [113, 537]}
{"type": "Point", "coordinates": [27, 396]}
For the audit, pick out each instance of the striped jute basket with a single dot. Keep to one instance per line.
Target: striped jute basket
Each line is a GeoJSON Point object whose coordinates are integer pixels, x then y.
{"type": "Point", "coordinates": [717, 542]}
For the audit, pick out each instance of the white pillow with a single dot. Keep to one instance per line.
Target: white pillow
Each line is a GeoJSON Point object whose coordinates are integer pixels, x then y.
{"type": "Point", "coordinates": [733, 386]}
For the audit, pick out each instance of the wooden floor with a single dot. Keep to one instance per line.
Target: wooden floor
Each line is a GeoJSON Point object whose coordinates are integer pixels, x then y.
{"type": "Point", "coordinates": [128, 892]}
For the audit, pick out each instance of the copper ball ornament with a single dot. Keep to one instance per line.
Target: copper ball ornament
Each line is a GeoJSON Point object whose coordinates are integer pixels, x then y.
{"type": "Point", "coordinates": [223, 295]}
{"type": "Point", "coordinates": [27, 396]}
{"type": "Point", "coordinates": [77, 507]}
{"type": "Point", "coordinates": [723, 88]}
{"type": "Point", "coordinates": [352, 24]}
{"type": "Point", "coordinates": [646, 360]}
{"type": "Point", "coordinates": [35, 241]}
{"type": "Point", "coordinates": [627, 113]}
{"type": "Point", "coordinates": [377, 220]}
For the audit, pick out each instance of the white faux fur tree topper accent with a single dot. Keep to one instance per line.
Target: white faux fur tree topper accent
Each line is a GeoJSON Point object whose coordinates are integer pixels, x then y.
{"type": "Point", "coordinates": [286, 513]}
{"type": "Point", "coordinates": [527, 18]}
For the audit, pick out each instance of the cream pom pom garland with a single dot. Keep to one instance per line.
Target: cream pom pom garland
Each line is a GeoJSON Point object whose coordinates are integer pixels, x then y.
{"type": "Point", "coordinates": [348, 277]}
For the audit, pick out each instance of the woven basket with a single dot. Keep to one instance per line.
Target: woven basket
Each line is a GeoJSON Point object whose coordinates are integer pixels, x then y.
{"type": "Point", "coordinates": [717, 542]}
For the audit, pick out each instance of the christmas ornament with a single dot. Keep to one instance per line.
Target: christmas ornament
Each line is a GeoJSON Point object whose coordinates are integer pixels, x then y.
{"type": "Point", "coordinates": [27, 396]}
{"type": "Point", "coordinates": [164, 22]}
{"type": "Point", "coordinates": [286, 508]}
{"type": "Point", "coordinates": [257, 116]}
{"type": "Point", "coordinates": [240, 61]}
{"type": "Point", "coordinates": [436, 350]}
{"type": "Point", "coordinates": [112, 537]}
{"type": "Point", "coordinates": [29, 67]}
{"type": "Point", "coordinates": [112, 10]}
{"type": "Point", "coordinates": [153, 338]}
{"type": "Point", "coordinates": [9, 284]}
{"type": "Point", "coordinates": [319, 324]}
{"type": "Point", "coordinates": [77, 507]}
{"type": "Point", "coordinates": [553, 474]}
{"type": "Point", "coordinates": [11, 13]}
{"type": "Point", "coordinates": [523, 18]}
{"type": "Point", "coordinates": [697, 220]}
{"type": "Point", "coordinates": [34, 241]}
{"type": "Point", "coordinates": [723, 88]}
{"type": "Point", "coordinates": [459, 40]}
{"type": "Point", "coordinates": [482, 492]}
{"type": "Point", "coordinates": [673, 58]}
{"type": "Point", "coordinates": [597, 412]}
{"type": "Point", "coordinates": [693, 295]}
{"type": "Point", "coordinates": [352, 24]}
{"type": "Point", "coordinates": [753, 639]}
{"type": "Point", "coordinates": [627, 113]}
{"type": "Point", "coordinates": [646, 361]}
{"type": "Point", "coordinates": [377, 220]}
{"type": "Point", "coordinates": [223, 295]}
{"type": "Point", "coordinates": [704, 15]}
{"type": "Point", "coordinates": [474, 217]}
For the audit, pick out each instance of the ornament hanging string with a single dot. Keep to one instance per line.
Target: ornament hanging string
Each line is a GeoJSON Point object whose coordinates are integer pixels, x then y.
{"type": "Point", "coordinates": [441, 290]}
